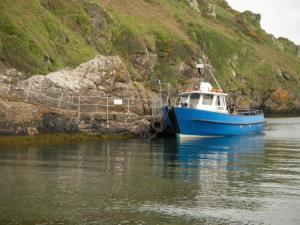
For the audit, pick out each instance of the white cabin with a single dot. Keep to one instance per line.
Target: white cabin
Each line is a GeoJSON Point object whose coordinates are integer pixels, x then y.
{"type": "Point", "coordinates": [206, 98]}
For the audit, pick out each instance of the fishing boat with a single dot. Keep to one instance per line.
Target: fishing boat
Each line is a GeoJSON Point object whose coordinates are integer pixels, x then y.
{"type": "Point", "coordinates": [203, 113]}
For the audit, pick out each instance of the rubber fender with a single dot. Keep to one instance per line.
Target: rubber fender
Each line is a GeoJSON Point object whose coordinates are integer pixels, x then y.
{"type": "Point", "coordinates": [157, 125]}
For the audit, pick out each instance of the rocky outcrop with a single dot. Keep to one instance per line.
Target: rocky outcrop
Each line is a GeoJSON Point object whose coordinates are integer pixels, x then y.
{"type": "Point", "coordinates": [144, 63]}
{"type": "Point", "coordinates": [194, 4]}
{"type": "Point", "coordinates": [16, 117]}
{"type": "Point", "coordinates": [99, 74]}
{"type": "Point", "coordinates": [51, 103]}
{"type": "Point", "coordinates": [100, 36]}
{"type": "Point", "coordinates": [205, 7]}
{"type": "Point", "coordinates": [282, 74]}
{"type": "Point", "coordinates": [282, 102]}
{"type": "Point", "coordinates": [278, 44]}
{"type": "Point", "coordinates": [286, 43]}
{"type": "Point", "coordinates": [83, 99]}
{"type": "Point", "coordinates": [211, 10]}
{"type": "Point", "coordinates": [255, 16]}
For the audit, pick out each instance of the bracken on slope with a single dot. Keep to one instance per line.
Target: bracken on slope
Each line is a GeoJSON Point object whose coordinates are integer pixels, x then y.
{"type": "Point", "coordinates": [157, 39]}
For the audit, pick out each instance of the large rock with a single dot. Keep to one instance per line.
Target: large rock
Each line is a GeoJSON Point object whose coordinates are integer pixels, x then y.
{"type": "Point", "coordinates": [99, 20]}
{"type": "Point", "coordinates": [18, 118]}
{"type": "Point", "coordinates": [286, 43]}
{"type": "Point", "coordinates": [57, 123]}
{"type": "Point", "coordinates": [211, 10]}
{"type": "Point", "coordinates": [194, 4]}
{"type": "Point", "coordinates": [144, 62]}
{"type": "Point", "coordinates": [281, 101]}
{"type": "Point", "coordinates": [255, 16]}
{"type": "Point", "coordinates": [102, 71]}
{"type": "Point", "coordinates": [103, 76]}
{"type": "Point", "coordinates": [49, 104]}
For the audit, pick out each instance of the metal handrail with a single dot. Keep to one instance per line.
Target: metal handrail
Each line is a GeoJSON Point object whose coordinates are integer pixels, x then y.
{"type": "Point", "coordinates": [249, 112]}
{"type": "Point", "coordinates": [63, 98]}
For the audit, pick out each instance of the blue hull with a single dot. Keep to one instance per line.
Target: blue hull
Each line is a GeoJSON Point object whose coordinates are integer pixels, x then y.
{"type": "Point", "coordinates": [194, 122]}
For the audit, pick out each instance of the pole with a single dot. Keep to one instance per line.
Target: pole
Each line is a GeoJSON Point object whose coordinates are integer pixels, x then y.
{"type": "Point", "coordinates": [60, 100]}
{"type": "Point", "coordinates": [152, 103]}
{"type": "Point", "coordinates": [29, 91]}
{"type": "Point", "coordinates": [9, 86]}
{"type": "Point", "coordinates": [68, 99]}
{"type": "Point", "coordinates": [18, 85]}
{"type": "Point", "coordinates": [128, 106]}
{"type": "Point", "coordinates": [107, 125]}
{"type": "Point", "coordinates": [78, 110]}
{"type": "Point", "coordinates": [215, 80]}
{"type": "Point", "coordinates": [160, 89]}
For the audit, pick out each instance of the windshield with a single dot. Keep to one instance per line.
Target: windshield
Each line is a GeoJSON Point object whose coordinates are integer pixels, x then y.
{"type": "Point", "coordinates": [220, 101]}
{"type": "Point", "coordinates": [184, 100]}
{"type": "Point", "coordinates": [207, 99]}
{"type": "Point", "coordinates": [194, 100]}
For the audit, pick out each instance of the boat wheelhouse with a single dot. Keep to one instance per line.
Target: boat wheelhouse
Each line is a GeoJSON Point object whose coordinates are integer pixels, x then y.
{"type": "Point", "coordinates": [206, 98]}
{"type": "Point", "coordinates": [204, 113]}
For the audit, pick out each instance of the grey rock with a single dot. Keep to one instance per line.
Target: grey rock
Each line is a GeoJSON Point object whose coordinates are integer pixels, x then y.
{"type": "Point", "coordinates": [53, 99]}
{"type": "Point", "coordinates": [32, 131]}
{"type": "Point", "coordinates": [255, 16]}
{"type": "Point", "coordinates": [211, 10]}
{"type": "Point", "coordinates": [194, 4]}
{"type": "Point", "coordinates": [286, 75]}
{"type": "Point", "coordinates": [144, 62]}
{"type": "Point", "coordinates": [57, 123]}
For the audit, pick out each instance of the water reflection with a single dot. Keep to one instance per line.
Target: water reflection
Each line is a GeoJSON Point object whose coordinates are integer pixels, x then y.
{"type": "Point", "coordinates": [227, 154]}
{"type": "Point", "coordinates": [236, 180]}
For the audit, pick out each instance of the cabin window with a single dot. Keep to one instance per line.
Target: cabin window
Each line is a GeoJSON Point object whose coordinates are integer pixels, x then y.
{"type": "Point", "coordinates": [194, 100]}
{"type": "Point", "coordinates": [184, 101]}
{"type": "Point", "coordinates": [177, 101]}
{"type": "Point", "coordinates": [220, 101]}
{"type": "Point", "coordinates": [207, 99]}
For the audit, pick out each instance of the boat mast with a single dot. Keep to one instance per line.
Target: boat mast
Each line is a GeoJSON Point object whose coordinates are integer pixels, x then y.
{"type": "Point", "coordinates": [215, 80]}
{"type": "Point", "coordinates": [201, 70]}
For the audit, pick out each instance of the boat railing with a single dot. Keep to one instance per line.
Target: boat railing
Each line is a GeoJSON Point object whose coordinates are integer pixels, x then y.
{"type": "Point", "coordinates": [249, 112]}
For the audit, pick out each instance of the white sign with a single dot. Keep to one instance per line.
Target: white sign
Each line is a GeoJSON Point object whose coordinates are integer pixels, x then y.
{"type": "Point", "coordinates": [118, 102]}
{"type": "Point", "coordinates": [200, 66]}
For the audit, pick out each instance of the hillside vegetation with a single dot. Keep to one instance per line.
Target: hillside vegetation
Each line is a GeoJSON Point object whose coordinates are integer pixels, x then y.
{"type": "Point", "coordinates": [157, 39]}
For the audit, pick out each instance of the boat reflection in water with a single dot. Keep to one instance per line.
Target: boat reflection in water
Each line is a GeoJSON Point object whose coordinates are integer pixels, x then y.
{"type": "Point", "coordinates": [215, 156]}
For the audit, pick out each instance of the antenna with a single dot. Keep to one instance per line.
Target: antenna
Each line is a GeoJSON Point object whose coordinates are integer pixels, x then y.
{"type": "Point", "coordinates": [200, 68]}
{"type": "Point", "coordinates": [215, 80]}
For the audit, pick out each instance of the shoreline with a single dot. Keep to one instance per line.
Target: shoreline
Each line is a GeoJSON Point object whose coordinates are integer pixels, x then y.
{"type": "Point", "coordinates": [69, 138]}
{"type": "Point", "coordinates": [60, 138]}
{"type": "Point", "coordinates": [283, 115]}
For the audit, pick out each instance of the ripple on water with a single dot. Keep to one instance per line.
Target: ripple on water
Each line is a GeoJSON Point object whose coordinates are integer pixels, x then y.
{"type": "Point", "coordinates": [235, 180]}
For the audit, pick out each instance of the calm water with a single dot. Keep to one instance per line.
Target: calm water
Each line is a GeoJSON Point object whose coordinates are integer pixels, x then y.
{"type": "Point", "coordinates": [241, 180]}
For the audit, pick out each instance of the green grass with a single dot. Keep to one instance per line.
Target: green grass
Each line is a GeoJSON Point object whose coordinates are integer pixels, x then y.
{"type": "Point", "coordinates": [35, 41]}
{"type": "Point", "coordinates": [38, 36]}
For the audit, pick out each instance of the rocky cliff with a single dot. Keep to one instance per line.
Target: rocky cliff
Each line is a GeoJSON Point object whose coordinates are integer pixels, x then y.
{"type": "Point", "coordinates": [96, 97]}
{"type": "Point", "coordinates": [152, 39]}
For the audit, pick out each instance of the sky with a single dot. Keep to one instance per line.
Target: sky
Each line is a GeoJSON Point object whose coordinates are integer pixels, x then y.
{"type": "Point", "coordinates": [279, 17]}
